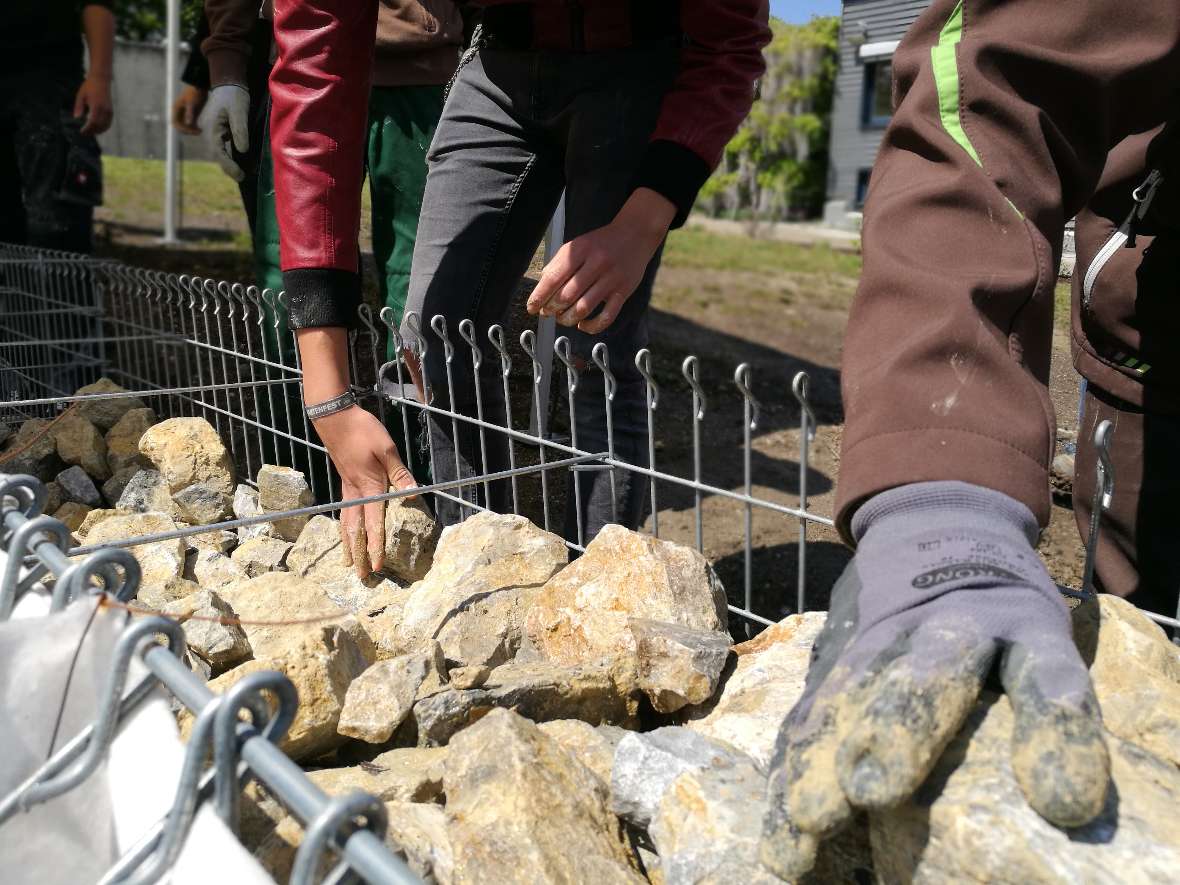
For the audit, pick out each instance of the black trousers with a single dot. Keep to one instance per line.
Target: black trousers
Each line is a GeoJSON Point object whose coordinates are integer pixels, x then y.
{"type": "Point", "coordinates": [50, 174]}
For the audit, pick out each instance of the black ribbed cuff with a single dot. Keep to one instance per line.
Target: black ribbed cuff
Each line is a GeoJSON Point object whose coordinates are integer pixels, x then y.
{"type": "Point", "coordinates": [322, 296]}
{"type": "Point", "coordinates": [675, 172]}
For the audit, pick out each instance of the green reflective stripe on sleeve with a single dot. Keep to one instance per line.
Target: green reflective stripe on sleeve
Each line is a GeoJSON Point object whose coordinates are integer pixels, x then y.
{"type": "Point", "coordinates": [946, 79]}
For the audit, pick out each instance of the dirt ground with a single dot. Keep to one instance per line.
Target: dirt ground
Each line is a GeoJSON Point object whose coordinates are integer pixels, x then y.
{"type": "Point", "coordinates": [777, 318]}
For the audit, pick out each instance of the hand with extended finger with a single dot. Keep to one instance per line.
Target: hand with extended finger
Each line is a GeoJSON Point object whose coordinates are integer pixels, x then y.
{"type": "Point", "coordinates": [368, 462]}
{"type": "Point", "coordinates": [603, 268]}
{"type": "Point", "coordinates": [225, 122]}
{"type": "Point", "coordinates": [945, 584]}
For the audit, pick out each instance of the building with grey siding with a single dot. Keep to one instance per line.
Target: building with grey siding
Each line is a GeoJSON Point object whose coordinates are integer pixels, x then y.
{"type": "Point", "coordinates": [869, 33]}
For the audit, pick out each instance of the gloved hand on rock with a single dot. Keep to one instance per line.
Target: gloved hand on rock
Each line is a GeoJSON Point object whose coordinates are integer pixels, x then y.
{"type": "Point", "coordinates": [945, 583]}
{"type": "Point", "coordinates": [225, 122]}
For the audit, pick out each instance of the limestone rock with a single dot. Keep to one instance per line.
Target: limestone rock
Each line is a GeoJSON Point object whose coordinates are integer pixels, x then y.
{"type": "Point", "coordinates": [1136, 672]}
{"type": "Point", "coordinates": [541, 691]}
{"type": "Point", "coordinates": [32, 450]}
{"type": "Point", "coordinates": [522, 809]}
{"type": "Point", "coordinates": [76, 486]}
{"type": "Point", "coordinates": [704, 830]}
{"type": "Point", "coordinates": [245, 505]}
{"type": "Point", "coordinates": [221, 541]}
{"type": "Point", "coordinates": [677, 665]}
{"type": "Point", "coordinates": [488, 555]}
{"type": "Point", "coordinates": [53, 497]}
{"type": "Point", "coordinates": [260, 555]}
{"type": "Point", "coordinates": [592, 745]}
{"type": "Point", "coordinates": [407, 774]}
{"type": "Point", "coordinates": [468, 677]}
{"type": "Point", "coordinates": [201, 504]}
{"type": "Point", "coordinates": [80, 442]}
{"type": "Point", "coordinates": [93, 518]}
{"type": "Point", "coordinates": [646, 764]}
{"type": "Point", "coordinates": [318, 556]}
{"type": "Point", "coordinates": [380, 699]}
{"type": "Point", "coordinates": [147, 492]}
{"type": "Point", "coordinates": [72, 514]}
{"type": "Point", "coordinates": [284, 488]}
{"type": "Point", "coordinates": [159, 560]}
{"type": "Point", "coordinates": [189, 451]}
{"type": "Point", "coordinates": [970, 822]}
{"type": "Point", "coordinates": [122, 440]}
{"type": "Point", "coordinates": [212, 569]}
{"type": "Point", "coordinates": [582, 614]}
{"type": "Point", "coordinates": [411, 536]}
{"type": "Point", "coordinates": [760, 688]}
{"type": "Point", "coordinates": [105, 413]}
{"type": "Point", "coordinates": [382, 618]}
{"type": "Point", "coordinates": [161, 594]}
{"type": "Point", "coordinates": [223, 645]}
{"type": "Point", "coordinates": [321, 660]}
{"type": "Point", "coordinates": [278, 610]}
{"type": "Point", "coordinates": [419, 834]}
{"type": "Point", "coordinates": [112, 489]}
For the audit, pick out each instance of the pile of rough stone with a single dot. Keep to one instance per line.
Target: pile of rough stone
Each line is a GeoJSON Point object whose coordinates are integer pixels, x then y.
{"type": "Point", "coordinates": [530, 719]}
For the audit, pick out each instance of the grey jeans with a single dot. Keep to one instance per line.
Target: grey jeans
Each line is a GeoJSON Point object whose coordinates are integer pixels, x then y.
{"type": "Point", "coordinates": [517, 128]}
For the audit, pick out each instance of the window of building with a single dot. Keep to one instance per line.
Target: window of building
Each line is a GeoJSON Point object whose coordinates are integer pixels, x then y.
{"type": "Point", "coordinates": [862, 187]}
{"type": "Point", "coordinates": [877, 107]}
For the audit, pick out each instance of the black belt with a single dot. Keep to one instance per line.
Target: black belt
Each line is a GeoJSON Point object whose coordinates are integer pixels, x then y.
{"type": "Point", "coordinates": [512, 26]}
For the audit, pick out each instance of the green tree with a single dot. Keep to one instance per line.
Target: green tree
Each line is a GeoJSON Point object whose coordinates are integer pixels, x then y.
{"type": "Point", "coordinates": [776, 165]}
{"type": "Point", "coordinates": [146, 20]}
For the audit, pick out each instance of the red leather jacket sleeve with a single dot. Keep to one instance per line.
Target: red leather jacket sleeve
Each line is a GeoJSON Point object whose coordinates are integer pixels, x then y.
{"type": "Point", "coordinates": [319, 91]}
{"type": "Point", "coordinates": [719, 67]}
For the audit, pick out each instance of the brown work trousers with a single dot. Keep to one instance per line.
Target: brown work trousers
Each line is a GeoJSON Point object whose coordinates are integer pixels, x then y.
{"type": "Point", "coordinates": [1013, 116]}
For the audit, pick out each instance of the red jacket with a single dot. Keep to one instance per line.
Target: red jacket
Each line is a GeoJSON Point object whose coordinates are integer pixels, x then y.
{"type": "Point", "coordinates": [319, 95]}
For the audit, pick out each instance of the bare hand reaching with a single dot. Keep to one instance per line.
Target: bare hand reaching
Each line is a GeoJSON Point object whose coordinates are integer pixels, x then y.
{"type": "Point", "coordinates": [369, 464]}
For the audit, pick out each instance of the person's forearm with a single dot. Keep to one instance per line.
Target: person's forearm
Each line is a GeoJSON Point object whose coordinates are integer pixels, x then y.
{"type": "Point", "coordinates": [323, 353]}
{"type": "Point", "coordinates": [98, 25]}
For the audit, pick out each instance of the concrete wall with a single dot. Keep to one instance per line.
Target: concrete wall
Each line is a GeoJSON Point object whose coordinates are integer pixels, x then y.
{"type": "Point", "coordinates": [854, 144]}
{"type": "Point", "coordinates": [138, 97]}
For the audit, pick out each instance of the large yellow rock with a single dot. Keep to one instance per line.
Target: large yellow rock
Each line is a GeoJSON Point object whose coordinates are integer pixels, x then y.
{"type": "Point", "coordinates": [80, 442]}
{"type": "Point", "coordinates": [123, 439]}
{"type": "Point", "coordinates": [582, 614]}
{"type": "Point", "coordinates": [159, 560]}
{"type": "Point", "coordinates": [105, 413]}
{"type": "Point", "coordinates": [520, 808]}
{"type": "Point", "coordinates": [188, 451]}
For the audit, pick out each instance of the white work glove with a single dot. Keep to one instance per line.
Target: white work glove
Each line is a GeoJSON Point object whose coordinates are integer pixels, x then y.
{"type": "Point", "coordinates": [225, 122]}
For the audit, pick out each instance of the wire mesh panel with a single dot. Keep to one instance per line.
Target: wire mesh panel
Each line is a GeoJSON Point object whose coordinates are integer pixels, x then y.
{"type": "Point", "coordinates": [198, 347]}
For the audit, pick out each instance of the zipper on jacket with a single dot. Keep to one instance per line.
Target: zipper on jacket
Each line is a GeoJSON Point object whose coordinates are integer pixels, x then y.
{"type": "Point", "coordinates": [577, 25]}
{"type": "Point", "coordinates": [1125, 235]}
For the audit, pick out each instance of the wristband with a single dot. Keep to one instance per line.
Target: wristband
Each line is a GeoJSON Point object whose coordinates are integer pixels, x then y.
{"type": "Point", "coordinates": [336, 404]}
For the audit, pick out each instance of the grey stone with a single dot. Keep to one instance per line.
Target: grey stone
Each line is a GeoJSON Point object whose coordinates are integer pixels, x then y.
{"type": "Point", "coordinates": [245, 505]}
{"type": "Point", "coordinates": [646, 765]}
{"type": "Point", "coordinates": [380, 699]}
{"type": "Point", "coordinates": [112, 489]}
{"type": "Point", "coordinates": [541, 691]}
{"type": "Point", "coordinates": [147, 492]}
{"type": "Point", "coordinates": [201, 504]}
{"type": "Point", "coordinates": [284, 488]}
{"type": "Point", "coordinates": [677, 665]}
{"type": "Point", "coordinates": [78, 487]}
{"type": "Point", "coordinates": [704, 830]}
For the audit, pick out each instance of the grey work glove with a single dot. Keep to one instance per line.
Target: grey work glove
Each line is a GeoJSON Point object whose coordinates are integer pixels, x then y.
{"type": "Point", "coordinates": [225, 122]}
{"type": "Point", "coordinates": [945, 582]}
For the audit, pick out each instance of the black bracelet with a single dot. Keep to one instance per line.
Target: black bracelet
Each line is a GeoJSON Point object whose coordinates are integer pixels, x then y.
{"type": "Point", "coordinates": [336, 404]}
